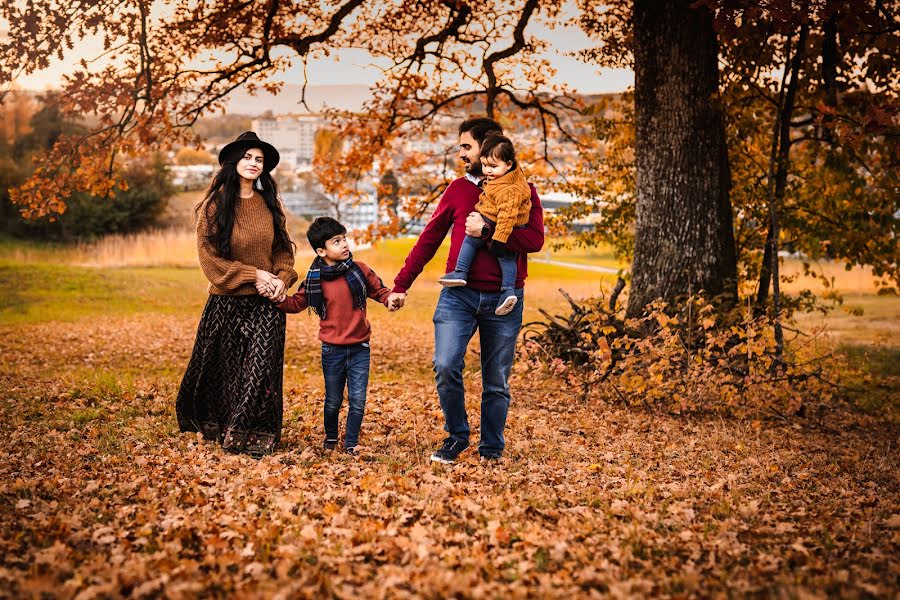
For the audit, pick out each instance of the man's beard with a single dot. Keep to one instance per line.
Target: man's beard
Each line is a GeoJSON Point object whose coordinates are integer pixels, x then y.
{"type": "Point", "coordinates": [474, 168]}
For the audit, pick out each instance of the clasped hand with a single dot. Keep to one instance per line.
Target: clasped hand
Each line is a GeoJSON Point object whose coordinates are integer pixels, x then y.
{"type": "Point", "coordinates": [396, 301]}
{"type": "Point", "coordinates": [269, 286]}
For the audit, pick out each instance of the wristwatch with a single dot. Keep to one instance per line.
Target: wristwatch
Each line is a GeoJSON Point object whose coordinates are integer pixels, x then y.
{"type": "Point", "coordinates": [485, 231]}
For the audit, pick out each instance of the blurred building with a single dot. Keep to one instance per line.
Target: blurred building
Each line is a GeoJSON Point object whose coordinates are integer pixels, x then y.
{"type": "Point", "coordinates": [309, 201]}
{"type": "Point", "coordinates": [294, 137]}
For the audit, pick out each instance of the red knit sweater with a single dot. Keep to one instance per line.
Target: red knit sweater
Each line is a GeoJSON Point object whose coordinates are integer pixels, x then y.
{"type": "Point", "coordinates": [344, 324]}
{"type": "Point", "coordinates": [458, 201]}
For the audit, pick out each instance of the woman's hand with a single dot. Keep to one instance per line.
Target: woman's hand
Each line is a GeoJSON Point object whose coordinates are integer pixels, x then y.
{"type": "Point", "coordinates": [278, 292]}
{"type": "Point", "coordinates": [267, 284]}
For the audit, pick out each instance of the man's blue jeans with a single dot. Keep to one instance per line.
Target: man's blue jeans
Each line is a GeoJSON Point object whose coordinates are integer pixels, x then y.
{"type": "Point", "coordinates": [345, 366]}
{"type": "Point", "coordinates": [460, 312]}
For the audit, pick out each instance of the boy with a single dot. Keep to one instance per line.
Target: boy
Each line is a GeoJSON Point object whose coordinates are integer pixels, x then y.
{"type": "Point", "coordinates": [335, 289]}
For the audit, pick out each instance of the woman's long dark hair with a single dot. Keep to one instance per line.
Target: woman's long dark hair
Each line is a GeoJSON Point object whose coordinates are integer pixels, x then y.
{"type": "Point", "coordinates": [221, 199]}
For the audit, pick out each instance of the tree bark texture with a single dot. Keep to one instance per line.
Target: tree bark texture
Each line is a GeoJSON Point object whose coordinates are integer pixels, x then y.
{"type": "Point", "coordinates": [684, 236]}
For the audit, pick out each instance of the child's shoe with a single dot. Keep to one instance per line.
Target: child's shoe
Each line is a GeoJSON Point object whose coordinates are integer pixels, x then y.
{"type": "Point", "coordinates": [352, 451]}
{"type": "Point", "coordinates": [507, 302]}
{"type": "Point", "coordinates": [453, 279]}
{"type": "Point", "coordinates": [329, 445]}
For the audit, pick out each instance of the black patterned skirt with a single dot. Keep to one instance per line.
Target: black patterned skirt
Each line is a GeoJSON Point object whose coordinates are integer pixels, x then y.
{"type": "Point", "coordinates": [231, 391]}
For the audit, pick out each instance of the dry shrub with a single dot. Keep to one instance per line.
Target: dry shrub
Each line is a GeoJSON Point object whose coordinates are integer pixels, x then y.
{"type": "Point", "coordinates": [689, 357]}
{"type": "Point", "coordinates": [152, 248]}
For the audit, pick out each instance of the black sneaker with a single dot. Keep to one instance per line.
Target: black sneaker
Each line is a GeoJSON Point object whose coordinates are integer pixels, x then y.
{"type": "Point", "coordinates": [352, 451]}
{"type": "Point", "coordinates": [449, 451]}
{"type": "Point", "coordinates": [491, 458]}
{"type": "Point", "coordinates": [329, 445]}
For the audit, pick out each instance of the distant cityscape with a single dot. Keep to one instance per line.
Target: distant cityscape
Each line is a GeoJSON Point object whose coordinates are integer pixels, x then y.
{"type": "Point", "coordinates": [295, 137]}
{"type": "Point", "coordinates": [292, 126]}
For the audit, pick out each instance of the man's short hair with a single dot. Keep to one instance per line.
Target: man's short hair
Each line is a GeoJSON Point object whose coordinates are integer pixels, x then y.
{"type": "Point", "coordinates": [479, 127]}
{"type": "Point", "coordinates": [323, 229]}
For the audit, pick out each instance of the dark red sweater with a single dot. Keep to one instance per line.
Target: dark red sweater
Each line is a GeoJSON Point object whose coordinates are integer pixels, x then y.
{"type": "Point", "coordinates": [344, 324]}
{"type": "Point", "coordinates": [458, 201]}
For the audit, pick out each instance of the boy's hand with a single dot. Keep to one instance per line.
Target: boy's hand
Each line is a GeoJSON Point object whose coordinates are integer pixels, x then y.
{"type": "Point", "coordinates": [396, 301]}
{"type": "Point", "coordinates": [280, 298]}
{"type": "Point", "coordinates": [279, 288]}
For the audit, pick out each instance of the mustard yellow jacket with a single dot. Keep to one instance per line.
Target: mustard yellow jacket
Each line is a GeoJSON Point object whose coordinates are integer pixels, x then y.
{"type": "Point", "coordinates": [506, 201]}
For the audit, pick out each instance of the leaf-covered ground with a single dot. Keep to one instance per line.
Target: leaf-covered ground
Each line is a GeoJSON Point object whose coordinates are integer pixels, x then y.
{"type": "Point", "coordinates": [100, 496]}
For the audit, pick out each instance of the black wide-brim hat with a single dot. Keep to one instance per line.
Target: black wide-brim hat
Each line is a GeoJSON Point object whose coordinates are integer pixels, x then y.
{"type": "Point", "coordinates": [232, 152]}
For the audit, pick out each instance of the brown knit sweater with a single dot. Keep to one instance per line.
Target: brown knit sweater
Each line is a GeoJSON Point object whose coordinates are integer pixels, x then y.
{"type": "Point", "coordinates": [507, 202]}
{"type": "Point", "coordinates": [251, 249]}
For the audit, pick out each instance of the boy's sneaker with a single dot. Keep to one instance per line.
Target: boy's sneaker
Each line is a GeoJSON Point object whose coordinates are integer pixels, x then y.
{"type": "Point", "coordinates": [507, 303]}
{"type": "Point", "coordinates": [492, 458]}
{"type": "Point", "coordinates": [453, 279]}
{"type": "Point", "coordinates": [449, 451]}
{"type": "Point", "coordinates": [329, 445]}
{"type": "Point", "coordinates": [352, 451]}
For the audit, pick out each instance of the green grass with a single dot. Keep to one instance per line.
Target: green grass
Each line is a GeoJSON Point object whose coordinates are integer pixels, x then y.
{"type": "Point", "coordinates": [880, 390]}
{"type": "Point", "coordinates": [861, 319]}
{"type": "Point", "coordinates": [99, 386]}
{"type": "Point", "coordinates": [37, 293]}
{"type": "Point", "coordinates": [541, 290]}
{"type": "Point", "coordinates": [84, 416]}
{"type": "Point", "coordinates": [396, 250]}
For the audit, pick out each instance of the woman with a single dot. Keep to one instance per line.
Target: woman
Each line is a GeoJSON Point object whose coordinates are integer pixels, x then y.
{"type": "Point", "coordinates": [231, 391]}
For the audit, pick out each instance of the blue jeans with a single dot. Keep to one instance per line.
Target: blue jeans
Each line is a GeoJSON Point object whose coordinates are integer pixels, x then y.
{"type": "Point", "coordinates": [467, 252]}
{"type": "Point", "coordinates": [345, 366]}
{"type": "Point", "coordinates": [460, 311]}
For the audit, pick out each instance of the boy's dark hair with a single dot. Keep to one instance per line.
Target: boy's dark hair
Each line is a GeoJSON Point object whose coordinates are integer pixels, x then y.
{"type": "Point", "coordinates": [498, 147]}
{"type": "Point", "coordinates": [479, 127]}
{"type": "Point", "coordinates": [323, 229]}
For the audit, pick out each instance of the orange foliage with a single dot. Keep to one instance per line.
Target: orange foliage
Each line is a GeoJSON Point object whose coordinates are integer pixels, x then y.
{"type": "Point", "coordinates": [168, 65]}
{"type": "Point", "coordinates": [685, 358]}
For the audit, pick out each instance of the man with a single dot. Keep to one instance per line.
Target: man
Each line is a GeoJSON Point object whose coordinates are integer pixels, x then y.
{"type": "Point", "coordinates": [463, 310]}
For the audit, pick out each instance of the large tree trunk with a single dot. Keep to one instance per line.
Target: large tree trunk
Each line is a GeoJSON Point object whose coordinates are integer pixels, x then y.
{"type": "Point", "coordinates": [684, 238]}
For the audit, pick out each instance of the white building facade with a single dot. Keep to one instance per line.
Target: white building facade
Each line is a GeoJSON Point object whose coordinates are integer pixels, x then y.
{"type": "Point", "coordinates": [294, 137]}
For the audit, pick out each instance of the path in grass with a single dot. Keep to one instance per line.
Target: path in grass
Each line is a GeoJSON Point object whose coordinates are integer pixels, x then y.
{"type": "Point", "coordinates": [577, 266]}
{"type": "Point", "coordinates": [101, 496]}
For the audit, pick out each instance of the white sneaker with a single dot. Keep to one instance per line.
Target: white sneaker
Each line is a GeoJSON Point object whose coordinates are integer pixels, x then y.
{"type": "Point", "coordinates": [452, 280]}
{"type": "Point", "coordinates": [505, 307]}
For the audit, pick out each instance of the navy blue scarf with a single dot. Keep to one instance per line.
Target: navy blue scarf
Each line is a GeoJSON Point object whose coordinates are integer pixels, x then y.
{"type": "Point", "coordinates": [347, 269]}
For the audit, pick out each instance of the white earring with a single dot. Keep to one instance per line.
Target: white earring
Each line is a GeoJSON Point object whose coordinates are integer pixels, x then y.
{"type": "Point", "coordinates": [259, 185]}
